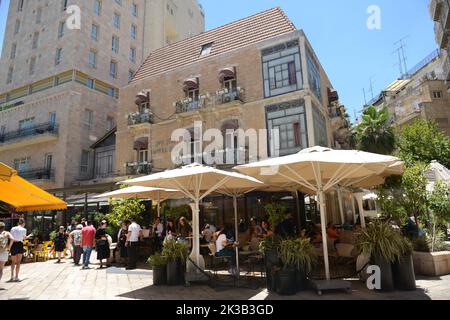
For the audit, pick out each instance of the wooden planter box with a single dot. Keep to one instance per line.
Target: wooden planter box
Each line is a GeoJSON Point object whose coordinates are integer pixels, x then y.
{"type": "Point", "coordinates": [432, 264]}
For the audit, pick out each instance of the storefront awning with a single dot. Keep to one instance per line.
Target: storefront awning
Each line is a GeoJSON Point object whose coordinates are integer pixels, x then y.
{"type": "Point", "coordinates": [25, 196]}
{"type": "Point", "coordinates": [141, 144]}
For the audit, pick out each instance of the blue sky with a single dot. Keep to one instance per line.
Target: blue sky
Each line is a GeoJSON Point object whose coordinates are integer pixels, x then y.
{"type": "Point", "coordinates": [350, 53]}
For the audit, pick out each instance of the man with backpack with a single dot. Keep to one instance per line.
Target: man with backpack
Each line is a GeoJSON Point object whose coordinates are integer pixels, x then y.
{"type": "Point", "coordinates": [6, 242]}
{"type": "Point", "coordinates": [75, 239]}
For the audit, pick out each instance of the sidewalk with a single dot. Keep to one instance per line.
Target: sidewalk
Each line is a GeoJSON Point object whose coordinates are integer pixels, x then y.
{"type": "Point", "coordinates": [50, 281]}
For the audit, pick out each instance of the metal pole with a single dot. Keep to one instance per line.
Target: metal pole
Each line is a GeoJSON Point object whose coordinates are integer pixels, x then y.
{"type": "Point", "coordinates": [359, 198]}
{"type": "Point", "coordinates": [237, 233]}
{"type": "Point", "coordinates": [353, 209]}
{"type": "Point", "coordinates": [341, 205]}
{"type": "Point", "coordinates": [323, 222]}
{"type": "Point", "coordinates": [159, 204]}
{"type": "Point", "coordinates": [86, 205]}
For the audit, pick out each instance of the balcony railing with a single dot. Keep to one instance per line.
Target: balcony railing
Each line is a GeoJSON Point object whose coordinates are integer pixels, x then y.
{"type": "Point", "coordinates": [140, 118]}
{"type": "Point", "coordinates": [135, 168]}
{"type": "Point", "coordinates": [221, 97]}
{"type": "Point", "coordinates": [46, 128]}
{"type": "Point", "coordinates": [38, 174]}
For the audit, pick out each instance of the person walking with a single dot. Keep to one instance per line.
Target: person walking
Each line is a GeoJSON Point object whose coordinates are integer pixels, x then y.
{"type": "Point", "coordinates": [75, 239]}
{"type": "Point", "coordinates": [60, 243]}
{"type": "Point", "coordinates": [103, 251]}
{"type": "Point", "coordinates": [6, 242]}
{"type": "Point", "coordinates": [19, 234]}
{"type": "Point", "coordinates": [134, 234]}
{"type": "Point", "coordinates": [122, 242]}
{"type": "Point", "coordinates": [87, 242]}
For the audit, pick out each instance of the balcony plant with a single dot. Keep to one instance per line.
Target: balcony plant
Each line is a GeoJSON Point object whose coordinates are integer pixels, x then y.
{"type": "Point", "coordinates": [298, 257]}
{"type": "Point", "coordinates": [176, 254]}
{"type": "Point", "coordinates": [158, 262]}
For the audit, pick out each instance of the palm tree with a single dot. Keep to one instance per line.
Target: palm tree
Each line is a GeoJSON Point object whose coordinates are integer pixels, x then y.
{"type": "Point", "coordinates": [375, 133]}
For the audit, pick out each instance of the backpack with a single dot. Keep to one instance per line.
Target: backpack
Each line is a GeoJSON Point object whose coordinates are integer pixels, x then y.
{"type": "Point", "coordinates": [3, 241]}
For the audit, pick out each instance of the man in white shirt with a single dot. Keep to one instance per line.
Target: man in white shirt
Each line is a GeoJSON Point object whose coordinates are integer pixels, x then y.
{"type": "Point", "coordinates": [19, 233]}
{"type": "Point", "coordinates": [134, 234]}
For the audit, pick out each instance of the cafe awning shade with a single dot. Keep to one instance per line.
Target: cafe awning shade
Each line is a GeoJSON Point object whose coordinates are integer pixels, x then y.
{"type": "Point", "coordinates": [25, 196]}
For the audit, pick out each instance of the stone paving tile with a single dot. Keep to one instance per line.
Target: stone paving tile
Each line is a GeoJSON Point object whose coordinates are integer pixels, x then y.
{"type": "Point", "coordinates": [50, 281]}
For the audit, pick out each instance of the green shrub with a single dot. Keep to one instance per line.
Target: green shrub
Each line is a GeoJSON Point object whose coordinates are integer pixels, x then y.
{"type": "Point", "coordinates": [298, 254]}
{"type": "Point", "coordinates": [157, 260]}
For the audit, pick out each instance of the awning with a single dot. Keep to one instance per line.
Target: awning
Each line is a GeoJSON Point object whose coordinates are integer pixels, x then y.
{"type": "Point", "coordinates": [141, 144]}
{"type": "Point", "coordinates": [190, 84]}
{"type": "Point", "coordinates": [227, 73]}
{"type": "Point", "coordinates": [25, 196]}
{"type": "Point", "coordinates": [142, 97]}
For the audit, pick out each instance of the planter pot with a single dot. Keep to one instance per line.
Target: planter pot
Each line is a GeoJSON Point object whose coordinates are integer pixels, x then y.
{"type": "Point", "coordinates": [432, 264]}
{"type": "Point", "coordinates": [286, 282]}
{"type": "Point", "coordinates": [404, 277]}
{"type": "Point", "coordinates": [302, 281]}
{"type": "Point", "coordinates": [387, 279]}
{"type": "Point", "coordinates": [271, 258]}
{"type": "Point", "coordinates": [271, 261]}
{"type": "Point", "coordinates": [181, 271]}
{"type": "Point", "coordinates": [173, 273]}
{"type": "Point", "coordinates": [160, 275]}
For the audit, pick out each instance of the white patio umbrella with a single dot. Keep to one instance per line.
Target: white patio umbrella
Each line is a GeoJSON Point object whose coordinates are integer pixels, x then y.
{"type": "Point", "coordinates": [136, 192]}
{"type": "Point", "coordinates": [196, 182]}
{"type": "Point", "coordinates": [318, 170]}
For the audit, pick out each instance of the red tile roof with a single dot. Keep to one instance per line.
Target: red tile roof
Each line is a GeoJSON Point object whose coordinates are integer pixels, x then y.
{"type": "Point", "coordinates": [244, 32]}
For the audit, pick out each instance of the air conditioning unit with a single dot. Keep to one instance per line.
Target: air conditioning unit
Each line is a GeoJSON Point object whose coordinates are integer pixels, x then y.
{"type": "Point", "coordinates": [227, 99]}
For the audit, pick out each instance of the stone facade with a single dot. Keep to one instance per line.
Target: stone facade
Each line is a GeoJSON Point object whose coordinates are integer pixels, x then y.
{"type": "Point", "coordinates": [57, 96]}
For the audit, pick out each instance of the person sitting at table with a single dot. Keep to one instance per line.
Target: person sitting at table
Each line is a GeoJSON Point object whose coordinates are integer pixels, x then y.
{"type": "Point", "coordinates": [333, 234]}
{"type": "Point", "coordinates": [286, 228]}
{"type": "Point", "coordinates": [169, 229]}
{"type": "Point", "coordinates": [184, 230]}
{"type": "Point", "coordinates": [207, 235]}
{"type": "Point", "coordinates": [255, 225]}
{"type": "Point", "coordinates": [266, 232]}
{"type": "Point", "coordinates": [224, 249]}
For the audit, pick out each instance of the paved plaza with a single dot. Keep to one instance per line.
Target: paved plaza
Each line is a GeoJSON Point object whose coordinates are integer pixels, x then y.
{"type": "Point", "coordinates": [50, 281]}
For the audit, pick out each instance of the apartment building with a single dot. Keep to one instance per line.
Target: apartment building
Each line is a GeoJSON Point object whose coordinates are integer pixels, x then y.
{"type": "Point", "coordinates": [59, 84]}
{"type": "Point", "coordinates": [420, 94]}
{"type": "Point", "coordinates": [256, 73]}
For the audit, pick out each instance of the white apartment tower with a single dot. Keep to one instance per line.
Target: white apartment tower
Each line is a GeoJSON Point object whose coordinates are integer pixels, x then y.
{"type": "Point", "coordinates": [59, 84]}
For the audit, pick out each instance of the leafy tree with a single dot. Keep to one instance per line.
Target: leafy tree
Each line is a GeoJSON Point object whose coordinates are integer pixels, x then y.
{"type": "Point", "coordinates": [439, 214]}
{"type": "Point", "coordinates": [422, 141]}
{"type": "Point", "coordinates": [374, 133]}
{"type": "Point", "coordinates": [124, 210]}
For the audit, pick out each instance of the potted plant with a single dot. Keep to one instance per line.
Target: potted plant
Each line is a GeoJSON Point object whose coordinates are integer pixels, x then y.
{"type": "Point", "coordinates": [269, 248]}
{"type": "Point", "coordinates": [384, 245]}
{"type": "Point", "coordinates": [298, 258]}
{"type": "Point", "coordinates": [176, 254]}
{"type": "Point", "coordinates": [403, 268]}
{"type": "Point", "coordinates": [158, 263]}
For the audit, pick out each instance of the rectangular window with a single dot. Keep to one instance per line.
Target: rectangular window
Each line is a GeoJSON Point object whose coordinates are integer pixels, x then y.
{"type": "Point", "coordinates": [437, 94]}
{"type": "Point", "coordinates": [13, 51]}
{"type": "Point", "coordinates": [113, 69]}
{"type": "Point", "coordinates": [48, 162]}
{"type": "Point", "coordinates": [88, 117]}
{"type": "Point", "coordinates": [97, 7]}
{"type": "Point", "coordinates": [64, 5]}
{"type": "Point", "coordinates": [130, 75]}
{"type": "Point", "coordinates": [20, 6]}
{"type": "Point", "coordinates": [52, 119]}
{"type": "Point", "coordinates": [313, 75]}
{"type": "Point", "coordinates": [35, 40]}
{"type": "Point", "coordinates": [94, 32]}
{"type": "Point", "coordinates": [116, 20]}
{"type": "Point", "coordinates": [134, 9]}
{"type": "Point", "coordinates": [61, 27]}
{"type": "Point", "coordinates": [92, 59]}
{"type": "Point", "coordinates": [17, 27]}
{"type": "Point", "coordinates": [133, 31]}
{"type": "Point", "coordinates": [32, 65]}
{"type": "Point", "coordinates": [143, 156]}
{"type": "Point", "coordinates": [109, 123]}
{"type": "Point", "coordinates": [206, 49]}
{"type": "Point", "coordinates": [90, 83]}
{"type": "Point", "coordinates": [58, 56]}
{"type": "Point", "coordinates": [9, 76]}
{"type": "Point", "coordinates": [282, 69]}
{"type": "Point", "coordinates": [26, 124]}
{"type": "Point", "coordinates": [84, 163]}
{"type": "Point", "coordinates": [115, 44]}
{"type": "Point", "coordinates": [39, 15]}
{"type": "Point", "coordinates": [132, 55]}
{"type": "Point", "coordinates": [320, 127]}
{"type": "Point", "coordinates": [22, 165]}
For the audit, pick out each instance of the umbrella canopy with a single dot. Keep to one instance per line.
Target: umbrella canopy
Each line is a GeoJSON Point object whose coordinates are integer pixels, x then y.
{"type": "Point", "coordinates": [318, 170]}
{"type": "Point", "coordinates": [25, 196]}
{"type": "Point", "coordinates": [196, 182]}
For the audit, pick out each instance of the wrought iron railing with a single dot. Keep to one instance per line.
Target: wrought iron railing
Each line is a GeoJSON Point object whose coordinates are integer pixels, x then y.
{"type": "Point", "coordinates": [134, 168]}
{"type": "Point", "coordinates": [38, 174]}
{"type": "Point", "coordinates": [45, 128]}
{"type": "Point", "coordinates": [221, 97]}
{"type": "Point", "coordinates": [140, 118]}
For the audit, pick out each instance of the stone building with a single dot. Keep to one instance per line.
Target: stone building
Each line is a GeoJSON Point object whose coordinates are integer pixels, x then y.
{"type": "Point", "coordinates": [59, 84]}
{"type": "Point", "coordinates": [256, 73]}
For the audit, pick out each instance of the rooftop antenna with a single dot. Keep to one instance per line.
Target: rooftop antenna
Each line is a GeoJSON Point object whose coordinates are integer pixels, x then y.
{"type": "Point", "coordinates": [400, 51]}
{"type": "Point", "coordinates": [371, 85]}
{"type": "Point", "coordinates": [365, 97]}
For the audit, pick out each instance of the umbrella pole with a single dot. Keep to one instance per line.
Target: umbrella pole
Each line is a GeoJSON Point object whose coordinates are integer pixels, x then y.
{"type": "Point", "coordinates": [159, 204]}
{"type": "Point", "coordinates": [195, 227]}
{"type": "Point", "coordinates": [354, 209]}
{"type": "Point", "coordinates": [323, 221]}
{"type": "Point", "coordinates": [359, 198]}
{"type": "Point", "coordinates": [341, 205]}
{"type": "Point", "coordinates": [237, 233]}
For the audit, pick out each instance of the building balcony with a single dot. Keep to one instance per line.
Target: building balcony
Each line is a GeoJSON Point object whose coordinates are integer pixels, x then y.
{"type": "Point", "coordinates": [44, 174]}
{"type": "Point", "coordinates": [139, 118]}
{"type": "Point", "coordinates": [441, 35]}
{"type": "Point", "coordinates": [435, 9]}
{"type": "Point", "coordinates": [24, 137]}
{"type": "Point", "coordinates": [220, 98]}
{"type": "Point", "coordinates": [136, 168]}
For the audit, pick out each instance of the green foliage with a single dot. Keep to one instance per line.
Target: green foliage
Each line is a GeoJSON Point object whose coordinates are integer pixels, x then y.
{"type": "Point", "coordinates": [299, 254]}
{"type": "Point", "coordinates": [177, 212]}
{"type": "Point", "coordinates": [374, 133]}
{"type": "Point", "coordinates": [439, 201]}
{"type": "Point", "coordinates": [157, 260]}
{"type": "Point", "coordinates": [125, 210]}
{"type": "Point", "coordinates": [52, 235]}
{"type": "Point", "coordinates": [173, 250]}
{"type": "Point", "coordinates": [269, 244]}
{"type": "Point", "coordinates": [423, 142]}
{"type": "Point", "coordinates": [381, 239]}
{"type": "Point", "coordinates": [421, 244]}
{"type": "Point", "coordinates": [277, 212]}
